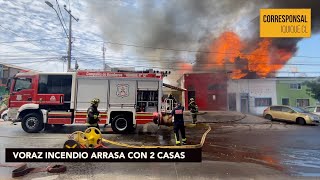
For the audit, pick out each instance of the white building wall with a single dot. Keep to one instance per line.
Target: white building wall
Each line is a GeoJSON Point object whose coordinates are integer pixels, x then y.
{"type": "Point", "coordinates": [255, 88]}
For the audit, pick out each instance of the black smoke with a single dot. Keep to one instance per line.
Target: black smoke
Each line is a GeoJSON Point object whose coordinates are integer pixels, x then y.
{"type": "Point", "coordinates": [178, 24]}
{"type": "Point", "coordinates": [189, 25]}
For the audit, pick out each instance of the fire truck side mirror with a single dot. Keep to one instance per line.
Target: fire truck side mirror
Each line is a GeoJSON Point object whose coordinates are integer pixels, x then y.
{"type": "Point", "coordinates": [8, 84]}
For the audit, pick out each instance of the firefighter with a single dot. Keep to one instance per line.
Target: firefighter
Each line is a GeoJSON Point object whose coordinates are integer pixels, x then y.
{"type": "Point", "coordinates": [177, 114]}
{"type": "Point", "coordinates": [93, 114]}
{"type": "Point", "coordinates": [193, 108]}
{"type": "Point", "coordinates": [172, 98]}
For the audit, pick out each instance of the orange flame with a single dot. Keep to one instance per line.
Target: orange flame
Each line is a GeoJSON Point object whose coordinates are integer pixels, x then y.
{"type": "Point", "coordinates": [184, 67]}
{"type": "Point", "coordinates": [262, 60]}
{"type": "Point", "coordinates": [227, 46]}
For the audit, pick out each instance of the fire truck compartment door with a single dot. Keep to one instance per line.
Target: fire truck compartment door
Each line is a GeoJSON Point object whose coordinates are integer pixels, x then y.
{"type": "Point", "coordinates": [148, 85]}
{"type": "Point", "coordinates": [89, 89]}
{"type": "Point", "coordinates": [123, 93]}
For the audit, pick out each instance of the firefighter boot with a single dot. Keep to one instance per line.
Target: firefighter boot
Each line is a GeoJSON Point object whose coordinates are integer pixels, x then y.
{"type": "Point", "coordinates": [184, 141]}
{"type": "Point", "coordinates": [194, 119]}
{"type": "Point", "coordinates": [177, 140]}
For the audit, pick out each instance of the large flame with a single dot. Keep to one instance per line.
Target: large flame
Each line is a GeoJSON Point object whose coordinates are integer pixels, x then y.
{"type": "Point", "coordinates": [226, 48]}
{"type": "Point", "coordinates": [228, 51]}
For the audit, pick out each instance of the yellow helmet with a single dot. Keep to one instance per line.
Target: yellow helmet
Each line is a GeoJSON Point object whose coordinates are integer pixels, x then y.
{"type": "Point", "coordinates": [95, 101]}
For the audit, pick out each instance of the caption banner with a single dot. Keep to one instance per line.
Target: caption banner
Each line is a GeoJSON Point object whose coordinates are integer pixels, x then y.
{"type": "Point", "coordinates": [102, 155]}
{"type": "Point", "coordinates": [285, 23]}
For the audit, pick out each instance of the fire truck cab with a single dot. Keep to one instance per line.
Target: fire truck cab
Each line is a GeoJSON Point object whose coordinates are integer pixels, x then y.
{"type": "Point", "coordinates": [43, 99]}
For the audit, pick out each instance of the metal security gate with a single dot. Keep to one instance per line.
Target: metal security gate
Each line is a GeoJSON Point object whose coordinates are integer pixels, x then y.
{"type": "Point", "coordinates": [232, 102]}
{"type": "Point", "coordinates": [244, 103]}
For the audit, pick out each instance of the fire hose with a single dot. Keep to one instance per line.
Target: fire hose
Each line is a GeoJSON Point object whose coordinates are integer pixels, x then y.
{"type": "Point", "coordinates": [166, 147]}
{"type": "Point", "coordinates": [22, 169]}
{"type": "Point", "coordinates": [92, 137]}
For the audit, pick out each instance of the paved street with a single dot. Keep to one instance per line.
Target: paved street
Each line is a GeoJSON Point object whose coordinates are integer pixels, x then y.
{"type": "Point", "coordinates": [247, 148]}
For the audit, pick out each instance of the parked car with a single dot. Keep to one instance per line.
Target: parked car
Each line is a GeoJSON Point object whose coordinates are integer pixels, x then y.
{"type": "Point", "coordinates": [4, 115]}
{"type": "Point", "coordinates": [313, 109]}
{"type": "Point", "coordinates": [289, 113]}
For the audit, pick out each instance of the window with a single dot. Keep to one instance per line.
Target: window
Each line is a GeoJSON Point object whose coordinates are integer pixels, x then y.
{"type": "Point", "coordinates": [262, 102]}
{"type": "Point", "coordinates": [285, 101]}
{"type": "Point", "coordinates": [286, 109]}
{"type": "Point", "coordinates": [310, 109]}
{"type": "Point", "coordinates": [147, 96]}
{"type": "Point", "coordinates": [276, 108]}
{"type": "Point", "coordinates": [318, 109]}
{"type": "Point", "coordinates": [56, 84]}
{"type": "Point", "coordinates": [147, 101]}
{"type": "Point", "coordinates": [295, 86]}
{"type": "Point", "coordinates": [302, 102]}
{"type": "Point", "coordinates": [22, 84]}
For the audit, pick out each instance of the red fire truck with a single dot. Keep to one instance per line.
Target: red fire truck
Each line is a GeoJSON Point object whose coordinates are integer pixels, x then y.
{"type": "Point", "coordinates": [40, 100]}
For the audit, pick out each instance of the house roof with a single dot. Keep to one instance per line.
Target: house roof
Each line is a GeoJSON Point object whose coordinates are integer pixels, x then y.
{"type": "Point", "coordinates": [17, 67]}
{"type": "Point", "coordinates": [173, 87]}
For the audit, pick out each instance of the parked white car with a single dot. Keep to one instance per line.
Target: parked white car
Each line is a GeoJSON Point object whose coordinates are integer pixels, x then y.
{"type": "Point", "coordinates": [4, 115]}
{"type": "Point", "coordinates": [313, 109]}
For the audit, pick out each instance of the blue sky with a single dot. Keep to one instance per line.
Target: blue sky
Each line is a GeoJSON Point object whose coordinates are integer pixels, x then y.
{"type": "Point", "coordinates": [28, 20]}
{"type": "Point", "coordinates": [305, 66]}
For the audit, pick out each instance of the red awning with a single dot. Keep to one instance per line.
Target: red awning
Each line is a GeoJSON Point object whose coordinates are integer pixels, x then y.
{"type": "Point", "coordinates": [173, 87]}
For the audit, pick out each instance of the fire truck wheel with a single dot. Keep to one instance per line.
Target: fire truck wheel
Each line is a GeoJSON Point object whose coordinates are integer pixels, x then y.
{"type": "Point", "coordinates": [121, 124]}
{"type": "Point", "coordinates": [32, 123]}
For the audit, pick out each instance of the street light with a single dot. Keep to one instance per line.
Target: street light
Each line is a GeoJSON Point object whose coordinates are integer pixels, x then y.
{"type": "Point", "coordinates": [69, 37]}
{"type": "Point", "coordinates": [50, 5]}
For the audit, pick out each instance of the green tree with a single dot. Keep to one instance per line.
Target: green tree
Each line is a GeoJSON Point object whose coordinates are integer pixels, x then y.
{"type": "Point", "coordinates": [313, 88]}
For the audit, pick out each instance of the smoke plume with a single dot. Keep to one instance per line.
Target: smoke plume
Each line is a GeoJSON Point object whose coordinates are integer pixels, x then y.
{"type": "Point", "coordinates": [199, 25]}
{"type": "Point", "coordinates": [176, 24]}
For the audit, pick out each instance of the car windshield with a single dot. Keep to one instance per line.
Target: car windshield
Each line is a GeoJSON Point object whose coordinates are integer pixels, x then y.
{"type": "Point", "coordinates": [300, 110]}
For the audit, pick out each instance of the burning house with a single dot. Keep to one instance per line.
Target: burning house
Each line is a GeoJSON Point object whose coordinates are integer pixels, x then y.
{"type": "Point", "coordinates": [205, 45]}
{"type": "Point", "coordinates": [208, 89]}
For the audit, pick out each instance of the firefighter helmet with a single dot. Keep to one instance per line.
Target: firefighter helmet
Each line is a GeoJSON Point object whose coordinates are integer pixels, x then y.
{"type": "Point", "coordinates": [95, 101]}
{"type": "Point", "coordinates": [191, 99]}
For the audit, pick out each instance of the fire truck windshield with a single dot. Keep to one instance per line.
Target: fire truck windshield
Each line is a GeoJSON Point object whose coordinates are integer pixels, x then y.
{"type": "Point", "coordinates": [22, 83]}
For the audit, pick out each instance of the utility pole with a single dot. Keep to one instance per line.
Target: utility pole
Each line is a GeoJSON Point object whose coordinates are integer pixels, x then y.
{"type": "Point", "coordinates": [103, 55]}
{"type": "Point", "coordinates": [70, 36]}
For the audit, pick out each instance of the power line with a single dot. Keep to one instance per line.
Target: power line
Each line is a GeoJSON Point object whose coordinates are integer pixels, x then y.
{"type": "Point", "coordinates": [29, 62]}
{"type": "Point", "coordinates": [30, 40]}
{"type": "Point", "coordinates": [182, 50]}
{"type": "Point", "coordinates": [174, 61]}
{"type": "Point", "coordinates": [64, 23]}
{"type": "Point", "coordinates": [171, 68]}
{"type": "Point", "coordinates": [33, 52]}
{"type": "Point", "coordinates": [26, 58]}
{"type": "Point", "coordinates": [19, 36]}
{"type": "Point", "coordinates": [27, 19]}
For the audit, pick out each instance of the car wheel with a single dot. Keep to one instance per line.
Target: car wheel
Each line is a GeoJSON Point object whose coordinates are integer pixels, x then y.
{"type": "Point", "coordinates": [121, 124]}
{"type": "Point", "coordinates": [5, 117]}
{"type": "Point", "coordinates": [32, 123]}
{"type": "Point", "coordinates": [268, 116]}
{"type": "Point", "coordinates": [301, 121]}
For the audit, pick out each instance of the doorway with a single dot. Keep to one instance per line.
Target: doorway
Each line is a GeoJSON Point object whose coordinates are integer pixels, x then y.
{"type": "Point", "coordinates": [232, 102]}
